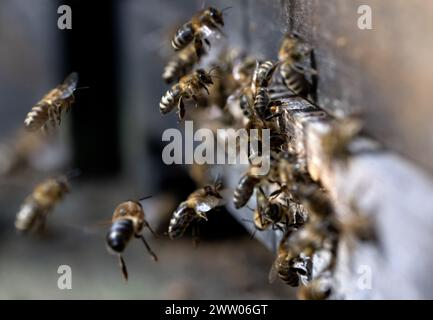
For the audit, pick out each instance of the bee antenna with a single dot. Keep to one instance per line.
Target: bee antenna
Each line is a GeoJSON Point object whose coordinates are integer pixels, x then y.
{"type": "Point", "coordinates": [226, 8]}
{"type": "Point", "coordinates": [81, 88]}
{"type": "Point", "coordinates": [144, 198]}
{"type": "Point", "coordinates": [74, 173]}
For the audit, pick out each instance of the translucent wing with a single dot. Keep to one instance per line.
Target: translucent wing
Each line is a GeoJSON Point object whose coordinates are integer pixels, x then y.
{"type": "Point", "coordinates": [207, 204]}
{"type": "Point", "coordinates": [273, 273]}
{"type": "Point", "coordinates": [69, 85]}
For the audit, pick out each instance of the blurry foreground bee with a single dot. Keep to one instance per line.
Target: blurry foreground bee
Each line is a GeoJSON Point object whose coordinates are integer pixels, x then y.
{"type": "Point", "coordinates": [318, 289]}
{"type": "Point", "coordinates": [183, 62]}
{"type": "Point", "coordinates": [194, 208]}
{"type": "Point", "coordinates": [201, 25]}
{"type": "Point", "coordinates": [33, 213]}
{"type": "Point", "coordinates": [48, 111]}
{"type": "Point", "coordinates": [128, 221]}
{"type": "Point", "coordinates": [189, 87]}
{"type": "Point", "coordinates": [292, 53]}
{"type": "Point", "coordinates": [292, 269]}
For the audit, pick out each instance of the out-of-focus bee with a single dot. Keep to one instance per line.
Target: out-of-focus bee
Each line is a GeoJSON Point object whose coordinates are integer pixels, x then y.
{"type": "Point", "coordinates": [128, 221]}
{"type": "Point", "coordinates": [183, 62]}
{"type": "Point", "coordinates": [318, 289]}
{"type": "Point", "coordinates": [201, 25]}
{"type": "Point", "coordinates": [189, 87]}
{"type": "Point", "coordinates": [48, 111]}
{"type": "Point", "coordinates": [46, 195]}
{"type": "Point", "coordinates": [292, 269]}
{"type": "Point", "coordinates": [194, 208]}
{"type": "Point", "coordinates": [292, 53]}
{"type": "Point", "coordinates": [270, 211]}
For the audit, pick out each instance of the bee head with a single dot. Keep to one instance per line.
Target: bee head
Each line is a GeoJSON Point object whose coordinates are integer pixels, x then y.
{"type": "Point", "coordinates": [212, 190]}
{"type": "Point", "coordinates": [204, 77]}
{"type": "Point", "coordinates": [216, 15]}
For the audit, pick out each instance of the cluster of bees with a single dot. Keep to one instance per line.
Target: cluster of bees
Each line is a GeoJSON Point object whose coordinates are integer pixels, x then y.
{"type": "Point", "coordinates": [287, 199]}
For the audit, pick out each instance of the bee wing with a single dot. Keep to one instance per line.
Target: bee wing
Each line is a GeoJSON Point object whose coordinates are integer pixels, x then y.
{"type": "Point", "coordinates": [69, 85]}
{"type": "Point", "coordinates": [273, 273]}
{"type": "Point", "coordinates": [207, 204]}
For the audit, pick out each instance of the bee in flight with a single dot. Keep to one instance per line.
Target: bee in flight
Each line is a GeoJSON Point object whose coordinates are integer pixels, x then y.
{"type": "Point", "coordinates": [189, 87]}
{"type": "Point", "coordinates": [128, 221]}
{"type": "Point", "coordinates": [196, 206]}
{"type": "Point", "coordinates": [201, 25]}
{"type": "Point", "coordinates": [46, 195]}
{"type": "Point", "coordinates": [48, 111]}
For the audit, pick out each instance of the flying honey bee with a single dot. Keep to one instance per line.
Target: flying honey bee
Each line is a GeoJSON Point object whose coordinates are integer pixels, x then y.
{"type": "Point", "coordinates": [128, 221]}
{"type": "Point", "coordinates": [46, 195]}
{"type": "Point", "coordinates": [183, 62]}
{"type": "Point", "coordinates": [189, 87]}
{"type": "Point", "coordinates": [293, 51]}
{"type": "Point", "coordinates": [201, 25]}
{"type": "Point", "coordinates": [194, 208]}
{"type": "Point", "coordinates": [48, 111]}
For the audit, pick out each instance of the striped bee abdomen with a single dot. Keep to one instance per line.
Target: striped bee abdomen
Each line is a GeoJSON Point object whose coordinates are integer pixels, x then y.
{"type": "Point", "coordinates": [183, 37]}
{"type": "Point", "coordinates": [37, 117]}
{"type": "Point", "coordinates": [180, 221]}
{"type": "Point", "coordinates": [27, 216]}
{"type": "Point", "coordinates": [169, 99]}
{"type": "Point", "coordinates": [295, 81]}
{"type": "Point", "coordinates": [119, 234]}
{"type": "Point", "coordinates": [244, 190]}
{"type": "Point", "coordinates": [261, 102]}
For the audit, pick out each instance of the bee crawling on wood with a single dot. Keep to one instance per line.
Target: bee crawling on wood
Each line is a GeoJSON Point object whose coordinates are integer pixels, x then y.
{"type": "Point", "coordinates": [128, 221]}
{"type": "Point", "coordinates": [293, 52]}
{"type": "Point", "coordinates": [46, 195]}
{"type": "Point", "coordinates": [201, 25]}
{"type": "Point", "coordinates": [189, 87]}
{"type": "Point", "coordinates": [48, 111]}
{"type": "Point", "coordinates": [195, 207]}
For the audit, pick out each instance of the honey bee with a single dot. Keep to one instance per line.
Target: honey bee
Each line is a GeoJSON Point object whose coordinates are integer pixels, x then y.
{"type": "Point", "coordinates": [128, 221]}
{"type": "Point", "coordinates": [183, 62]}
{"type": "Point", "coordinates": [291, 268]}
{"type": "Point", "coordinates": [318, 289]}
{"type": "Point", "coordinates": [189, 87]}
{"type": "Point", "coordinates": [201, 25]}
{"type": "Point", "coordinates": [246, 185]}
{"type": "Point", "coordinates": [196, 206]}
{"type": "Point", "coordinates": [263, 75]}
{"type": "Point", "coordinates": [293, 51]}
{"type": "Point", "coordinates": [48, 111]}
{"type": "Point", "coordinates": [46, 195]}
{"type": "Point", "coordinates": [270, 211]}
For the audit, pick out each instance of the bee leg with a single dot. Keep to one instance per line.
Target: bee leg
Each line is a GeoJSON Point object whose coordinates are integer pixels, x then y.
{"type": "Point", "coordinates": [123, 267]}
{"type": "Point", "coordinates": [207, 43]}
{"type": "Point", "coordinates": [152, 254]}
{"type": "Point", "coordinates": [195, 235]}
{"type": "Point", "coordinates": [147, 225]}
{"type": "Point", "coordinates": [181, 111]}
{"type": "Point", "coordinates": [205, 88]}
